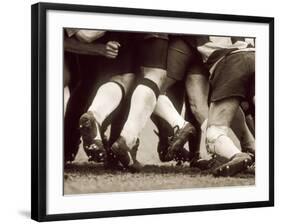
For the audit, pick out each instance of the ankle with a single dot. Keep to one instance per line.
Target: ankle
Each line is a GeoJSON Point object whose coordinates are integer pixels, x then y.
{"type": "Point", "coordinates": [129, 139]}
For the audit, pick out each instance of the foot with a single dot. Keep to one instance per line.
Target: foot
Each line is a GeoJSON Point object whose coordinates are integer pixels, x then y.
{"type": "Point", "coordinates": [250, 150]}
{"type": "Point", "coordinates": [251, 169]}
{"type": "Point", "coordinates": [203, 164]}
{"type": "Point", "coordinates": [113, 163]}
{"type": "Point", "coordinates": [182, 155]}
{"type": "Point", "coordinates": [238, 163]}
{"type": "Point", "coordinates": [162, 147]}
{"type": "Point", "coordinates": [181, 136]}
{"type": "Point", "coordinates": [125, 155]}
{"type": "Point", "coordinates": [89, 129]}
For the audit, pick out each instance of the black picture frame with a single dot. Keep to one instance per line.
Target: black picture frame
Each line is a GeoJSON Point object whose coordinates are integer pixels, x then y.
{"type": "Point", "coordinates": [39, 122]}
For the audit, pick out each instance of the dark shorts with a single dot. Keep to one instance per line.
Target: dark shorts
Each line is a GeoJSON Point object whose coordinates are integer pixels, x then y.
{"type": "Point", "coordinates": [123, 63]}
{"type": "Point", "coordinates": [183, 60]}
{"type": "Point", "coordinates": [151, 50]}
{"type": "Point", "coordinates": [137, 49]}
{"type": "Point", "coordinates": [234, 76]}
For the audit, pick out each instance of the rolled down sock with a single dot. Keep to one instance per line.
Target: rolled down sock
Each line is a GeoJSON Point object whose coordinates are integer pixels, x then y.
{"type": "Point", "coordinates": [217, 142]}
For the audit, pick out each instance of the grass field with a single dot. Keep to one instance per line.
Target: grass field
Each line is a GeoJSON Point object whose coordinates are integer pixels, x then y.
{"type": "Point", "coordinates": [82, 177]}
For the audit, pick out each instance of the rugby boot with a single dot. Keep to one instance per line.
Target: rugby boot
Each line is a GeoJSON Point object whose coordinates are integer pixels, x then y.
{"type": "Point", "coordinates": [89, 129]}
{"type": "Point", "coordinates": [178, 140]}
{"type": "Point", "coordinates": [238, 163]}
{"type": "Point", "coordinates": [125, 155]}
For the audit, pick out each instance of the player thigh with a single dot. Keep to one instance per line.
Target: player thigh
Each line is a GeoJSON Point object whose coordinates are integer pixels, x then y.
{"type": "Point", "coordinates": [122, 68]}
{"type": "Point", "coordinates": [233, 76]}
{"type": "Point", "coordinates": [152, 57]}
{"type": "Point", "coordinates": [178, 59]}
{"type": "Point", "coordinates": [197, 84]}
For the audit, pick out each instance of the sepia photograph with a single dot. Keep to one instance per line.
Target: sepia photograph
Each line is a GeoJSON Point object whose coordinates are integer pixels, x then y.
{"type": "Point", "coordinates": [142, 111]}
{"type": "Point", "coordinates": [157, 111]}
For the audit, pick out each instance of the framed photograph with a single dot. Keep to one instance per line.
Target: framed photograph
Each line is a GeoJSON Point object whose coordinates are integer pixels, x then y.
{"type": "Point", "coordinates": [139, 111]}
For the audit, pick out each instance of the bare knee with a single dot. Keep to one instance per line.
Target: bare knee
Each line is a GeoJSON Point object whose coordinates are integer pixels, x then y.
{"type": "Point", "coordinates": [167, 84]}
{"type": "Point", "coordinates": [199, 110]}
{"type": "Point", "coordinates": [126, 81]}
{"type": "Point", "coordinates": [157, 75]}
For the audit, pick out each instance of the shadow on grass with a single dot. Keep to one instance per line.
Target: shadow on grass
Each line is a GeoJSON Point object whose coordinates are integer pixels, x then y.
{"type": "Point", "coordinates": [99, 170]}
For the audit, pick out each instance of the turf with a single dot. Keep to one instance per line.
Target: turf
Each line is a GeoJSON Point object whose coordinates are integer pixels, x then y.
{"type": "Point", "coordinates": [83, 177]}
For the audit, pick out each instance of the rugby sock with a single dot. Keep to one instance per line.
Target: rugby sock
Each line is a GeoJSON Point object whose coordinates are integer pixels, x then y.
{"type": "Point", "coordinates": [166, 110]}
{"type": "Point", "coordinates": [143, 102]}
{"type": "Point", "coordinates": [107, 99]}
{"type": "Point", "coordinates": [225, 147]}
{"type": "Point", "coordinates": [219, 143]}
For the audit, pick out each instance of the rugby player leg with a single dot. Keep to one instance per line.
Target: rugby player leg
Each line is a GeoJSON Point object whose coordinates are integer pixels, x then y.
{"type": "Point", "coordinates": [221, 115]}
{"type": "Point", "coordinates": [166, 110]}
{"type": "Point", "coordinates": [243, 130]}
{"type": "Point", "coordinates": [107, 99]}
{"type": "Point", "coordinates": [183, 131]}
{"type": "Point", "coordinates": [243, 133]}
{"type": "Point", "coordinates": [229, 87]}
{"type": "Point", "coordinates": [197, 87]}
{"type": "Point", "coordinates": [81, 95]}
{"type": "Point", "coordinates": [249, 115]}
{"type": "Point", "coordinates": [179, 58]}
{"type": "Point", "coordinates": [82, 89]}
{"type": "Point", "coordinates": [174, 92]}
{"type": "Point", "coordinates": [184, 63]}
{"type": "Point", "coordinates": [143, 101]}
